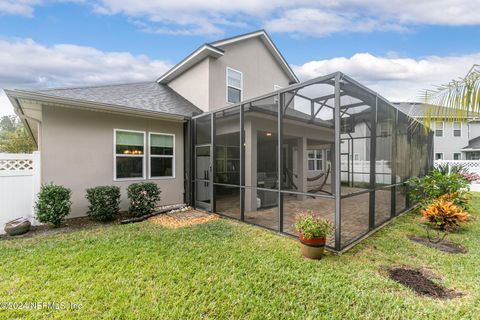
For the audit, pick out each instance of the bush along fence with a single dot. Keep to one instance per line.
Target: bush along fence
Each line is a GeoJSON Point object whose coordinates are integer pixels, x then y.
{"type": "Point", "coordinates": [468, 166]}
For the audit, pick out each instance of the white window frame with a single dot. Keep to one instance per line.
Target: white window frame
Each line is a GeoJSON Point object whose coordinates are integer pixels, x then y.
{"type": "Point", "coordinates": [439, 153]}
{"type": "Point", "coordinates": [443, 128]}
{"type": "Point", "coordinates": [315, 159]}
{"type": "Point", "coordinates": [453, 129]}
{"type": "Point", "coordinates": [115, 155]}
{"type": "Point", "coordinates": [459, 153]}
{"type": "Point", "coordinates": [227, 85]}
{"type": "Point", "coordinates": [150, 156]}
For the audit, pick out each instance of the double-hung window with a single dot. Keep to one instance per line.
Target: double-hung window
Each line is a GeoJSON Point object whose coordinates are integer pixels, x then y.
{"type": "Point", "coordinates": [129, 154]}
{"type": "Point", "coordinates": [315, 160]}
{"type": "Point", "coordinates": [439, 128]}
{"type": "Point", "coordinates": [162, 155]}
{"type": "Point", "coordinates": [457, 129]}
{"type": "Point", "coordinates": [234, 85]}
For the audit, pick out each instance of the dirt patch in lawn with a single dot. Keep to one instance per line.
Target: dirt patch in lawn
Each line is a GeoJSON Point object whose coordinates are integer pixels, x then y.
{"type": "Point", "coordinates": [444, 245]}
{"type": "Point", "coordinates": [421, 283]}
{"type": "Point", "coordinates": [184, 218]}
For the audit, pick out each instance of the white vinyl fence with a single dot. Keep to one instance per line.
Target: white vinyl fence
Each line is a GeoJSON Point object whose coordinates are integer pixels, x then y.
{"type": "Point", "coordinates": [19, 186]}
{"type": "Point", "coordinates": [472, 165]}
{"type": "Point", "coordinates": [359, 170]}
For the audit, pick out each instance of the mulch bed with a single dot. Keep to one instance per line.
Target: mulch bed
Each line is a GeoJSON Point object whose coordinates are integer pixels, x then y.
{"type": "Point", "coordinates": [444, 245]}
{"type": "Point", "coordinates": [421, 283]}
{"type": "Point", "coordinates": [69, 225]}
{"type": "Point", "coordinates": [181, 219]}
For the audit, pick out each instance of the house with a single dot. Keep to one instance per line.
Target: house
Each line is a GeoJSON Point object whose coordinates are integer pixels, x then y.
{"type": "Point", "coordinates": [457, 139]}
{"type": "Point", "coordinates": [230, 129]}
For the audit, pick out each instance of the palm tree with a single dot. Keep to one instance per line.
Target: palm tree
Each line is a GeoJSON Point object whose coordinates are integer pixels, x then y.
{"type": "Point", "coordinates": [458, 97]}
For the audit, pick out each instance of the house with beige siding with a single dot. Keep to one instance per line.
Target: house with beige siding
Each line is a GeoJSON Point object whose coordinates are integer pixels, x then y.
{"type": "Point", "coordinates": [230, 129]}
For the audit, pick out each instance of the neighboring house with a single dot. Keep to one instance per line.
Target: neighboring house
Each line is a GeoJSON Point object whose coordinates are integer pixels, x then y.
{"type": "Point", "coordinates": [453, 140]}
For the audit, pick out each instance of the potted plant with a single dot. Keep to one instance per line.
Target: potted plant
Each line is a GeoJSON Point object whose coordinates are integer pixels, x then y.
{"type": "Point", "coordinates": [313, 233]}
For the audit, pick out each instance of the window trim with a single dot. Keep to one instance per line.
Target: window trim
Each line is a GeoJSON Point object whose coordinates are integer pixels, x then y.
{"type": "Point", "coordinates": [150, 156]}
{"type": "Point", "coordinates": [435, 155]}
{"type": "Point", "coordinates": [115, 155]}
{"type": "Point", "coordinates": [227, 85]}
{"type": "Point", "coordinates": [315, 159]}
{"type": "Point", "coordinates": [453, 129]}
{"type": "Point", "coordinates": [453, 155]}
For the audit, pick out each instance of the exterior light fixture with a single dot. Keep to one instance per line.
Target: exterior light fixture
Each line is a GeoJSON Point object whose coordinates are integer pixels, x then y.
{"type": "Point", "coordinates": [269, 134]}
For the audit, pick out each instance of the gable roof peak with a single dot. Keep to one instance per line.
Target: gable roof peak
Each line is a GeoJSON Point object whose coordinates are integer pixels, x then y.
{"type": "Point", "coordinates": [213, 49]}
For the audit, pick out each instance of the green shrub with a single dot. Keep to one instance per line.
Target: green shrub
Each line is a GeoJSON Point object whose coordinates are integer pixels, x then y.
{"type": "Point", "coordinates": [143, 198]}
{"type": "Point", "coordinates": [434, 185]}
{"type": "Point", "coordinates": [53, 204]}
{"type": "Point", "coordinates": [104, 202]}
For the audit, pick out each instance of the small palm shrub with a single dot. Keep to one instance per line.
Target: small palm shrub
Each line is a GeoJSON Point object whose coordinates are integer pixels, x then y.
{"type": "Point", "coordinates": [104, 202]}
{"type": "Point", "coordinates": [310, 225]}
{"type": "Point", "coordinates": [53, 204]}
{"type": "Point", "coordinates": [143, 198]}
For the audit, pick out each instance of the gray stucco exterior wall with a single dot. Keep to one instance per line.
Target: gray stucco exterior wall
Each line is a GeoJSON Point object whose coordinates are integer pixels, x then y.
{"type": "Point", "coordinates": [259, 68]}
{"type": "Point", "coordinates": [77, 152]}
{"type": "Point", "coordinates": [195, 85]}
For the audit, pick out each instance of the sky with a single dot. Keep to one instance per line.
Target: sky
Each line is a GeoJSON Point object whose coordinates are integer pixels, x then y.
{"type": "Point", "coordinates": [396, 47]}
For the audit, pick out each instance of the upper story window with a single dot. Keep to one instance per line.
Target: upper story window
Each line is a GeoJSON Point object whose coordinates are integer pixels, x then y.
{"type": "Point", "coordinates": [234, 85]}
{"type": "Point", "coordinates": [457, 129]}
{"type": "Point", "coordinates": [129, 154]}
{"type": "Point", "coordinates": [439, 128]}
{"type": "Point", "coordinates": [439, 156]}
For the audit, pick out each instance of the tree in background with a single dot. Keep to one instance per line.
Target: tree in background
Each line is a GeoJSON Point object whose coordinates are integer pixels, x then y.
{"type": "Point", "coordinates": [14, 137]}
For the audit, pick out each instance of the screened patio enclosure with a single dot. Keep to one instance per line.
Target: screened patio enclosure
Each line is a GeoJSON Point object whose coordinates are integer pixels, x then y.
{"type": "Point", "coordinates": [329, 145]}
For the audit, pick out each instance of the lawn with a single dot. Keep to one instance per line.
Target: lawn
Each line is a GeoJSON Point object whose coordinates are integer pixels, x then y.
{"type": "Point", "coordinates": [224, 269]}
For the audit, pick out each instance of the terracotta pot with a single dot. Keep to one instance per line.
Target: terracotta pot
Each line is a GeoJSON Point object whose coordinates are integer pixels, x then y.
{"type": "Point", "coordinates": [312, 248]}
{"type": "Point", "coordinates": [17, 227]}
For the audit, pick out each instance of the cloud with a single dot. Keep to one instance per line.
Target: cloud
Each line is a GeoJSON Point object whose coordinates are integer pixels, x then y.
{"type": "Point", "coordinates": [18, 7]}
{"type": "Point", "coordinates": [398, 79]}
{"type": "Point", "coordinates": [307, 17]}
{"type": "Point", "coordinates": [27, 64]}
{"type": "Point", "coordinates": [307, 21]}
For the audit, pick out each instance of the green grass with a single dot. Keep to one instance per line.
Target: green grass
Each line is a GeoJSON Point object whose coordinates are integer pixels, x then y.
{"type": "Point", "coordinates": [225, 269]}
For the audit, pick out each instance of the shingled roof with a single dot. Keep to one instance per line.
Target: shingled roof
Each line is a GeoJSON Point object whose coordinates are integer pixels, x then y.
{"type": "Point", "coordinates": [473, 144]}
{"type": "Point", "coordinates": [149, 96]}
{"type": "Point", "coordinates": [420, 110]}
